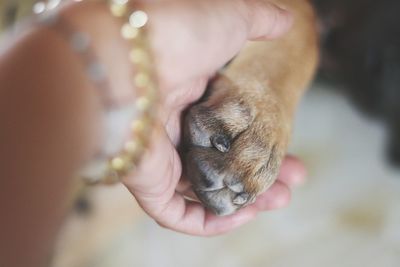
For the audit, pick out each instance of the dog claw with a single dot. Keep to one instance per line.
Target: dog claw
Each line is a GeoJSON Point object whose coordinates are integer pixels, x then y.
{"type": "Point", "coordinates": [221, 142]}
{"type": "Point", "coordinates": [241, 199]}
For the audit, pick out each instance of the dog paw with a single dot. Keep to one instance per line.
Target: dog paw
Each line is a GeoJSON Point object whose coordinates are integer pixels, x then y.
{"type": "Point", "coordinates": [234, 142]}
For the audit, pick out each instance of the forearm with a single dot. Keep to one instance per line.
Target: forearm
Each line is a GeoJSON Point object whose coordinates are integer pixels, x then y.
{"type": "Point", "coordinates": [46, 109]}
{"type": "Point", "coordinates": [49, 113]}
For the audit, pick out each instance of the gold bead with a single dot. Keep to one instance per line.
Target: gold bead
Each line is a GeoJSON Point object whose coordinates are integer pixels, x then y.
{"type": "Point", "coordinates": [143, 104]}
{"type": "Point", "coordinates": [131, 147]}
{"type": "Point", "coordinates": [128, 32]}
{"type": "Point", "coordinates": [138, 127]}
{"type": "Point", "coordinates": [141, 128]}
{"type": "Point", "coordinates": [134, 147]}
{"type": "Point", "coordinates": [151, 93]}
{"type": "Point", "coordinates": [142, 80]}
{"type": "Point", "coordinates": [118, 164]}
{"type": "Point", "coordinates": [118, 9]}
{"type": "Point", "coordinates": [139, 56]}
{"type": "Point", "coordinates": [138, 19]}
{"type": "Point", "coordinates": [129, 157]}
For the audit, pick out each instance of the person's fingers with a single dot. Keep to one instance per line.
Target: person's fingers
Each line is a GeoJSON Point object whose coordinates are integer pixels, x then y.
{"type": "Point", "coordinates": [175, 101]}
{"type": "Point", "coordinates": [292, 174]}
{"type": "Point", "coordinates": [155, 180]}
{"type": "Point", "coordinates": [293, 171]}
{"type": "Point", "coordinates": [276, 197]}
{"type": "Point", "coordinates": [267, 20]}
{"type": "Point", "coordinates": [193, 38]}
{"type": "Point", "coordinates": [183, 185]}
{"type": "Point", "coordinates": [154, 186]}
{"type": "Point", "coordinates": [192, 218]}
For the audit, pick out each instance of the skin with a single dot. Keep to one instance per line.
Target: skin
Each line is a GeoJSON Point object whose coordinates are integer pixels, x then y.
{"type": "Point", "coordinates": [49, 109]}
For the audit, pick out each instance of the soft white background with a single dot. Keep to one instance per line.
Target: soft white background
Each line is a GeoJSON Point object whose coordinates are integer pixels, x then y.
{"type": "Point", "coordinates": [347, 214]}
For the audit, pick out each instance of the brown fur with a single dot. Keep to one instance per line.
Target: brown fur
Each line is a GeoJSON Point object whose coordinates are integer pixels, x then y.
{"type": "Point", "coordinates": [251, 103]}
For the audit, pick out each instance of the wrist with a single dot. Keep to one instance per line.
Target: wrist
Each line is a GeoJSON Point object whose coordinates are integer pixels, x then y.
{"type": "Point", "coordinates": [129, 115]}
{"type": "Point", "coordinates": [94, 19]}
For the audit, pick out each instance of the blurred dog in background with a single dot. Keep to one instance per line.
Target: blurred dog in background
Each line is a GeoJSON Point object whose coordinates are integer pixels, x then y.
{"type": "Point", "coordinates": [360, 42]}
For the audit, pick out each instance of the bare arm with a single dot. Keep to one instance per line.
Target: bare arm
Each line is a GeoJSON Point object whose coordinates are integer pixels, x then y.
{"type": "Point", "coordinates": [47, 106]}
{"type": "Point", "coordinates": [42, 141]}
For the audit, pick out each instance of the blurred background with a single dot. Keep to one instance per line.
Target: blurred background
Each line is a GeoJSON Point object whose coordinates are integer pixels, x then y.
{"type": "Point", "coordinates": [347, 130]}
{"type": "Point", "coordinates": [347, 214]}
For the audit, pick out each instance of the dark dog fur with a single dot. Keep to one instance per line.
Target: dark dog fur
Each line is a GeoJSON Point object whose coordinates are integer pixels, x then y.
{"type": "Point", "coordinates": [360, 41]}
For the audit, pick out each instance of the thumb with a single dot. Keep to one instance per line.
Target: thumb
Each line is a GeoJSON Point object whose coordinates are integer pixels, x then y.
{"type": "Point", "coordinates": [194, 38]}
{"type": "Point", "coordinates": [267, 20]}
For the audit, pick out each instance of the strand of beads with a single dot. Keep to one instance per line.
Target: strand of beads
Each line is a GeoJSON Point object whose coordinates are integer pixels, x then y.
{"type": "Point", "coordinates": [144, 83]}
{"type": "Point", "coordinates": [112, 163]}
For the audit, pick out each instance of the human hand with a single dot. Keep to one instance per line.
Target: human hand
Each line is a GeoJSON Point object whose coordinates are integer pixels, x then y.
{"type": "Point", "coordinates": [191, 41]}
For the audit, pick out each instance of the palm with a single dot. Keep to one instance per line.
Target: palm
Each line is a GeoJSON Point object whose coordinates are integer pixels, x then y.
{"type": "Point", "coordinates": [184, 68]}
{"type": "Point", "coordinates": [160, 187]}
